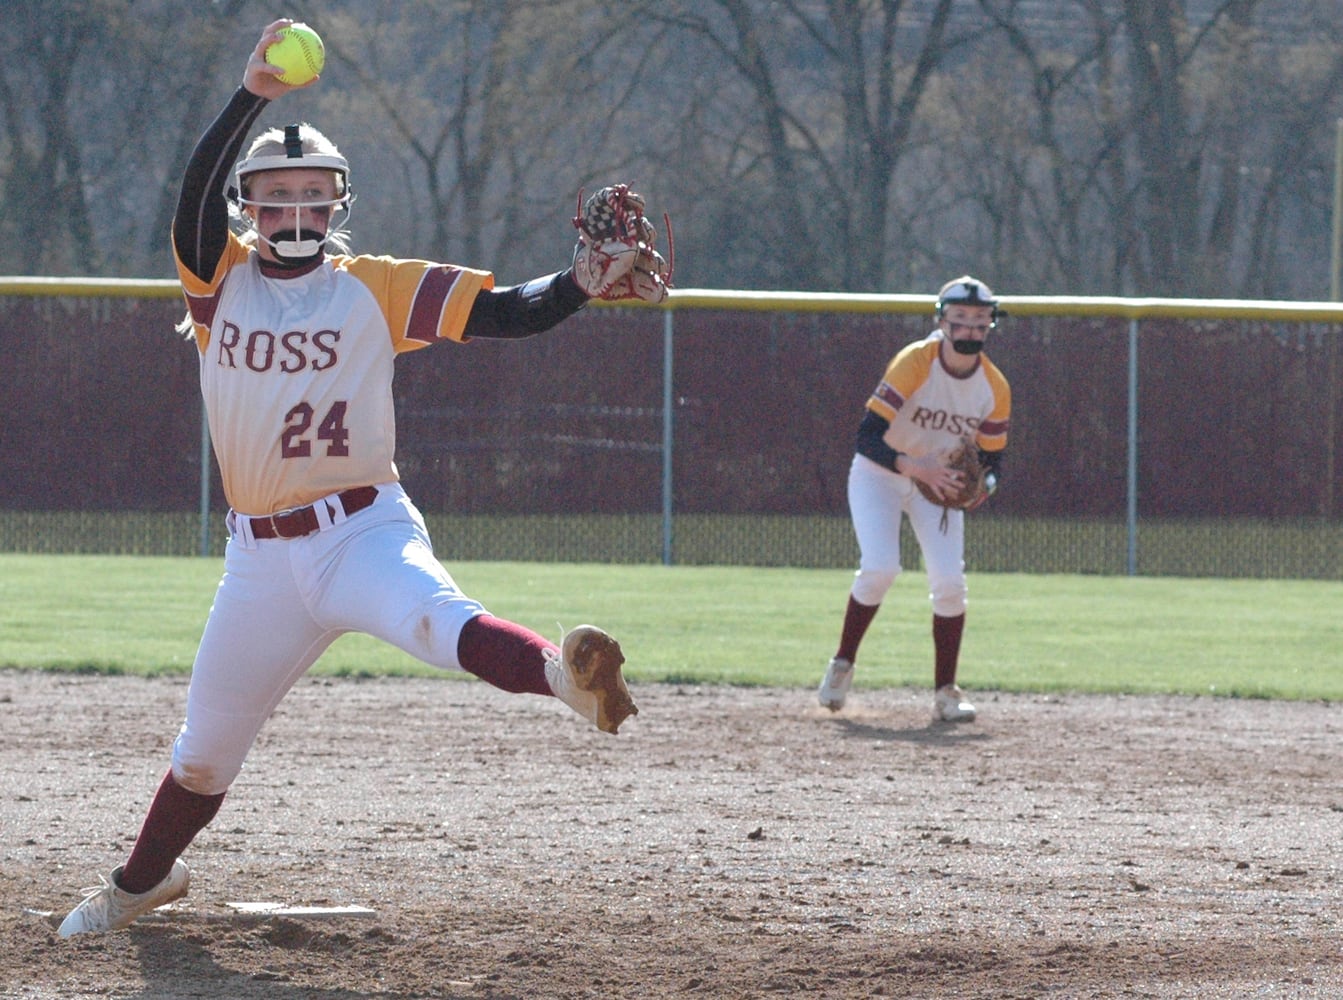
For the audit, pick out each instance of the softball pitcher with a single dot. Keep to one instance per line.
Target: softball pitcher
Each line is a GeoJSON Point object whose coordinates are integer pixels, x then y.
{"type": "Point", "coordinates": [296, 349]}
{"type": "Point", "coordinates": [936, 393]}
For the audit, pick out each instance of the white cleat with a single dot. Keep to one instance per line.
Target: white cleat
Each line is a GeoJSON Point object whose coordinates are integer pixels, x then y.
{"type": "Point", "coordinates": [835, 685]}
{"type": "Point", "coordinates": [586, 676]}
{"type": "Point", "coordinates": [109, 908]}
{"type": "Point", "coordinates": [949, 705]}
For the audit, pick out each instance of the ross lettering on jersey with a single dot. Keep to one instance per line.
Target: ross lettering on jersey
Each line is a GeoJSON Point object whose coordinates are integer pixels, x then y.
{"type": "Point", "coordinates": [294, 359]}
{"type": "Point", "coordinates": [260, 350]}
{"type": "Point", "coordinates": [227, 340]}
{"type": "Point", "coordinates": [941, 420]}
{"type": "Point", "coordinates": [325, 341]}
{"type": "Point", "coordinates": [290, 353]}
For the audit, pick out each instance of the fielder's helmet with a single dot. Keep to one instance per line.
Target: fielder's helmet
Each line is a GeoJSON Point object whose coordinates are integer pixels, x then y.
{"type": "Point", "coordinates": [967, 291]}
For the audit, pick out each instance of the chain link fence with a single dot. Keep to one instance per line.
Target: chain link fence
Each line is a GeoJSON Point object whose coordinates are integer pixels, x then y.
{"type": "Point", "coordinates": [1201, 442]}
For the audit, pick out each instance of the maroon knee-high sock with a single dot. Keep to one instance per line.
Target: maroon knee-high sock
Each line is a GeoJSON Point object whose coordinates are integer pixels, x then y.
{"type": "Point", "coordinates": [506, 655]}
{"type": "Point", "coordinates": [946, 648]}
{"type": "Point", "coordinates": [175, 817]}
{"type": "Point", "coordinates": [857, 617]}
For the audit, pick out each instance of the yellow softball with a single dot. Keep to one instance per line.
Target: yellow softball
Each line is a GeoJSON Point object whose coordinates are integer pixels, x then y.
{"type": "Point", "coordinates": [299, 52]}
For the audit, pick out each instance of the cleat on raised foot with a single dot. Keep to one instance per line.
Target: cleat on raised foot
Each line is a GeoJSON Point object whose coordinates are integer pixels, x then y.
{"type": "Point", "coordinates": [586, 676]}
{"type": "Point", "coordinates": [834, 689]}
{"type": "Point", "coordinates": [949, 705]}
{"type": "Point", "coordinates": [108, 907]}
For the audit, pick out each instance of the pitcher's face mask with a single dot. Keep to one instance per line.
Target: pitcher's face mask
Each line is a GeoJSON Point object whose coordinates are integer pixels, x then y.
{"type": "Point", "coordinates": [290, 198]}
{"type": "Point", "coordinates": [291, 210]}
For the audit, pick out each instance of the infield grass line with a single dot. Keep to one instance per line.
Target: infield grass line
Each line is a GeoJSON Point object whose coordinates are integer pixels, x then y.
{"type": "Point", "coordinates": [748, 625]}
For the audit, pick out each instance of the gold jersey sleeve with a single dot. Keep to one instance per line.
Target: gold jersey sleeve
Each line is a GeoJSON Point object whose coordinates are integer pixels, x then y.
{"type": "Point", "coordinates": [423, 302]}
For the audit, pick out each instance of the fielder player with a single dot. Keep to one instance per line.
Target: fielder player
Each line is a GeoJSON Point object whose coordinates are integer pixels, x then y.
{"type": "Point", "coordinates": [297, 340]}
{"type": "Point", "coordinates": [935, 393]}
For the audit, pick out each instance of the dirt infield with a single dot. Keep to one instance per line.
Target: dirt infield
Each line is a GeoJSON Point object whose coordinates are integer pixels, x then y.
{"type": "Point", "coordinates": [730, 843]}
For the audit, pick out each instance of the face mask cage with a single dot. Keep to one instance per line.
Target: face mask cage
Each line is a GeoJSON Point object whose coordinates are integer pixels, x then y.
{"type": "Point", "coordinates": [296, 243]}
{"type": "Point", "coordinates": [293, 241]}
{"type": "Point", "coordinates": [968, 291]}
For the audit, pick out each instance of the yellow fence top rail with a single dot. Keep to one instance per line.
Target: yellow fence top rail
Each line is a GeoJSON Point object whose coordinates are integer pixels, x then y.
{"type": "Point", "coordinates": [122, 288]}
{"type": "Point", "coordinates": [1015, 305]}
{"type": "Point", "coordinates": [711, 298]}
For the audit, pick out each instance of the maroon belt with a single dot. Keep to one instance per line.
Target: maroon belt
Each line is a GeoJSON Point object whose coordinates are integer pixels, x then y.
{"type": "Point", "coordinates": [303, 520]}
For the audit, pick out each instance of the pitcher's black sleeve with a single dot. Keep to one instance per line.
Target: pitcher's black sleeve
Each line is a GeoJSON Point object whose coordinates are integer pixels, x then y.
{"type": "Point", "coordinates": [525, 310]}
{"type": "Point", "coordinates": [200, 227]}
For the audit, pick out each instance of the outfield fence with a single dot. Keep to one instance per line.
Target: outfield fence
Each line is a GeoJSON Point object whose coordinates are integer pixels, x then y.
{"type": "Point", "coordinates": [1149, 436]}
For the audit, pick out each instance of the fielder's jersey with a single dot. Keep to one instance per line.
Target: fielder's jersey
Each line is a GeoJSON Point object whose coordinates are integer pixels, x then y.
{"type": "Point", "coordinates": [931, 410]}
{"type": "Point", "coordinates": [296, 371]}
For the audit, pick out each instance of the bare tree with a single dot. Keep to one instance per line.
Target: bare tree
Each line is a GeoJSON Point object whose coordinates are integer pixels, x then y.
{"type": "Point", "coordinates": [1092, 146]}
{"type": "Point", "coordinates": [45, 224]}
{"type": "Point", "coordinates": [1139, 152]}
{"type": "Point", "coordinates": [834, 100]}
{"type": "Point", "coordinates": [465, 123]}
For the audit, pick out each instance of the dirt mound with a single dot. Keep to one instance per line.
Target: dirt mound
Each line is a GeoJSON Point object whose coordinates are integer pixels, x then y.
{"type": "Point", "coordinates": [730, 843]}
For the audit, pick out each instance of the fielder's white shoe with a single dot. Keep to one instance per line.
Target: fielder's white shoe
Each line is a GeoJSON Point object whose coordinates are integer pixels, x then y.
{"type": "Point", "coordinates": [949, 705]}
{"type": "Point", "coordinates": [586, 676]}
{"type": "Point", "coordinates": [835, 685]}
{"type": "Point", "coordinates": [109, 908]}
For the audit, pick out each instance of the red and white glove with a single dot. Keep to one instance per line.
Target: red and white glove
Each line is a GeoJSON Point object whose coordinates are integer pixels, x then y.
{"type": "Point", "coordinates": [616, 257]}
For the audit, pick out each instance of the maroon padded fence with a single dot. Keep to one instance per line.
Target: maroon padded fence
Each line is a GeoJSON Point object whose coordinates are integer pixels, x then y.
{"type": "Point", "coordinates": [1237, 419]}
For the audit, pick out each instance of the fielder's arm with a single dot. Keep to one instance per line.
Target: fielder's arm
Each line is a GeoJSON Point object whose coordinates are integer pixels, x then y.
{"type": "Point", "coordinates": [872, 444]}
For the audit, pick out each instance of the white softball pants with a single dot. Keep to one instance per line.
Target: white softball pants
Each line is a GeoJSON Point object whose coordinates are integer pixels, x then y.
{"type": "Point", "coordinates": [877, 499]}
{"type": "Point", "coordinates": [282, 602]}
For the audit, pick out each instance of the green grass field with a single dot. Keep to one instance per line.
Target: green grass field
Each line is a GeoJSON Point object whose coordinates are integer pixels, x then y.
{"type": "Point", "coordinates": [741, 625]}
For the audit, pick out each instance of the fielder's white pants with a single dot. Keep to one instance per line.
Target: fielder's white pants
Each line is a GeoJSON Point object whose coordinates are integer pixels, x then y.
{"type": "Point", "coordinates": [282, 602]}
{"type": "Point", "coordinates": [877, 499]}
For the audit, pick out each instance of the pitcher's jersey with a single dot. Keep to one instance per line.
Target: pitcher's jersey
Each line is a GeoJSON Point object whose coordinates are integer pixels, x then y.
{"type": "Point", "coordinates": [931, 410]}
{"type": "Point", "coordinates": [296, 372]}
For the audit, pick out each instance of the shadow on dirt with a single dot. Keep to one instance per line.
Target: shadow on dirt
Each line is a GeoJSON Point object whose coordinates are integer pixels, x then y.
{"type": "Point", "coordinates": [171, 956]}
{"type": "Point", "coordinates": [937, 734]}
